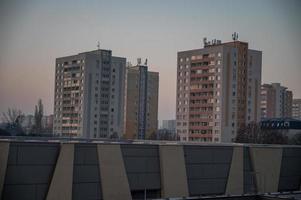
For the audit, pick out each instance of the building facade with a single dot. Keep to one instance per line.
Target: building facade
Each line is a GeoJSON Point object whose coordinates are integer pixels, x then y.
{"type": "Point", "coordinates": [296, 109]}
{"type": "Point", "coordinates": [33, 170]}
{"type": "Point", "coordinates": [276, 101]}
{"type": "Point", "coordinates": [89, 95]}
{"type": "Point", "coordinates": [141, 102]}
{"type": "Point", "coordinates": [47, 123]}
{"type": "Point", "coordinates": [268, 101]}
{"type": "Point", "coordinates": [218, 91]}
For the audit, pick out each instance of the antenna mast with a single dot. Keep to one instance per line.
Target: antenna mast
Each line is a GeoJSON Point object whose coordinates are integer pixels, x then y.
{"type": "Point", "coordinates": [98, 45]}
{"type": "Point", "coordinates": [235, 36]}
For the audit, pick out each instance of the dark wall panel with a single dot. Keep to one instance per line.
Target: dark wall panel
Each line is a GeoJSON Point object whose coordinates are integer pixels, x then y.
{"type": "Point", "coordinates": [29, 170]}
{"type": "Point", "coordinates": [290, 174]}
{"type": "Point", "coordinates": [86, 177]}
{"type": "Point", "coordinates": [142, 166]}
{"type": "Point", "coordinates": [207, 168]}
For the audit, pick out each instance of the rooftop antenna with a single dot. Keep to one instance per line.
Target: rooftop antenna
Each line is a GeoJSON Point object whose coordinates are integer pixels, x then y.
{"type": "Point", "coordinates": [98, 45]}
{"type": "Point", "coordinates": [235, 36]}
{"type": "Point", "coordinates": [205, 41]}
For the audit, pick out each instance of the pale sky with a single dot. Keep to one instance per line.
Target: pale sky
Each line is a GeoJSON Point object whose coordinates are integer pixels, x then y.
{"type": "Point", "coordinates": [34, 32]}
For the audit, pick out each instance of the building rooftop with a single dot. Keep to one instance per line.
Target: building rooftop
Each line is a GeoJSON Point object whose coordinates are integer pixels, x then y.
{"type": "Point", "coordinates": [40, 139]}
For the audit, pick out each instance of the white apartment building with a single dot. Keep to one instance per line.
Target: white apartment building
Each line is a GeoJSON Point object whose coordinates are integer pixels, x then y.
{"type": "Point", "coordinates": [89, 95]}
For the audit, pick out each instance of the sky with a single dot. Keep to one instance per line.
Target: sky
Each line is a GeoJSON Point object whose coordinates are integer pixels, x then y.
{"type": "Point", "coordinates": [35, 32]}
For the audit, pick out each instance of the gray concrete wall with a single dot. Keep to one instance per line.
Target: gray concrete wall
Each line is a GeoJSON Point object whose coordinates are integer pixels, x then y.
{"type": "Point", "coordinates": [61, 183]}
{"type": "Point", "coordinates": [4, 149]}
{"type": "Point", "coordinates": [266, 164]}
{"type": "Point", "coordinates": [114, 180]}
{"type": "Point", "coordinates": [173, 171]}
{"type": "Point", "coordinates": [235, 179]}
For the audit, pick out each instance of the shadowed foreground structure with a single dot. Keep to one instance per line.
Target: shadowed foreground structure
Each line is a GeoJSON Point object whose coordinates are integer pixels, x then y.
{"type": "Point", "coordinates": [95, 169]}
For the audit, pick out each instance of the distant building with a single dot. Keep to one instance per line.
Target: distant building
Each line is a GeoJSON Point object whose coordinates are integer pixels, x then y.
{"type": "Point", "coordinates": [268, 101]}
{"type": "Point", "coordinates": [167, 130]}
{"type": "Point", "coordinates": [297, 109]}
{"type": "Point", "coordinates": [276, 101]}
{"type": "Point", "coordinates": [287, 126]}
{"type": "Point", "coordinates": [47, 123]}
{"type": "Point", "coordinates": [89, 95]}
{"type": "Point", "coordinates": [169, 125]}
{"type": "Point", "coordinates": [28, 123]}
{"type": "Point", "coordinates": [218, 90]}
{"type": "Point", "coordinates": [141, 102]}
{"type": "Point", "coordinates": [165, 134]}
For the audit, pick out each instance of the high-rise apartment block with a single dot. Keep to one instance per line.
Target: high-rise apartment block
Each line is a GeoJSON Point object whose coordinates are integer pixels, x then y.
{"type": "Point", "coordinates": [268, 101]}
{"type": "Point", "coordinates": [218, 90]}
{"type": "Point", "coordinates": [276, 101]}
{"type": "Point", "coordinates": [141, 102]}
{"type": "Point", "coordinates": [89, 95]}
{"type": "Point", "coordinates": [296, 109]}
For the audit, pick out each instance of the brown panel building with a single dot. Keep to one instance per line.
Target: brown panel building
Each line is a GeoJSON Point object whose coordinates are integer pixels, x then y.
{"type": "Point", "coordinates": [218, 91]}
{"type": "Point", "coordinates": [276, 101]}
{"type": "Point", "coordinates": [141, 102]}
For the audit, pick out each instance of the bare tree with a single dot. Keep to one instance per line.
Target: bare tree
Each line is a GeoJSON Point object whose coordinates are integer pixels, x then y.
{"type": "Point", "coordinates": [252, 133]}
{"type": "Point", "coordinates": [38, 115]}
{"type": "Point", "coordinates": [13, 116]}
{"type": "Point", "coordinates": [13, 119]}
